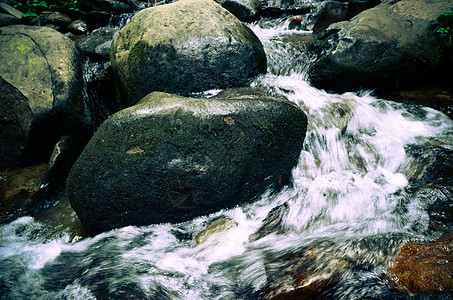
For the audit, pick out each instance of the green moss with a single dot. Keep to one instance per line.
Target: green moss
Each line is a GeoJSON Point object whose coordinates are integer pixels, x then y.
{"type": "Point", "coordinates": [138, 50]}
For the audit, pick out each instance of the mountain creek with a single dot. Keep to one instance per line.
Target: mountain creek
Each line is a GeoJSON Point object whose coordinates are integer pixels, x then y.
{"type": "Point", "coordinates": [366, 213]}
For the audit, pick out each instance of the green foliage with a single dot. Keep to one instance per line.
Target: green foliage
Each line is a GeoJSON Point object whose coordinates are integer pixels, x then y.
{"type": "Point", "coordinates": [33, 8]}
{"type": "Point", "coordinates": [445, 20]}
{"type": "Point", "coordinates": [445, 27]}
{"type": "Point", "coordinates": [444, 30]}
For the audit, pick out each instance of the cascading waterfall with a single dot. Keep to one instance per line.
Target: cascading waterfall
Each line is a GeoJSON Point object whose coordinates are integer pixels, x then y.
{"type": "Point", "coordinates": [343, 216]}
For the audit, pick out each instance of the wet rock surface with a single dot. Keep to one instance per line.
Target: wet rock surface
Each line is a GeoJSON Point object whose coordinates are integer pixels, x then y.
{"type": "Point", "coordinates": [18, 186]}
{"type": "Point", "coordinates": [433, 182]}
{"type": "Point", "coordinates": [425, 267]}
{"type": "Point", "coordinates": [60, 162]}
{"type": "Point", "coordinates": [331, 12]}
{"type": "Point", "coordinates": [101, 89]}
{"type": "Point", "coordinates": [97, 44]}
{"type": "Point", "coordinates": [298, 276]}
{"type": "Point", "coordinates": [216, 227]}
{"type": "Point", "coordinates": [272, 223]}
{"type": "Point", "coordinates": [194, 156]}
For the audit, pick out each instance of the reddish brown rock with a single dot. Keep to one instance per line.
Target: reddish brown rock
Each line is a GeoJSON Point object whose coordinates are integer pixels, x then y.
{"type": "Point", "coordinates": [425, 267]}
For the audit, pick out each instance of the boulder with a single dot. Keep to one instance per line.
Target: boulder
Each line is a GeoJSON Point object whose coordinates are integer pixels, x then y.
{"type": "Point", "coordinates": [393, 44]}
{"type": "Point", "coordinates": [330, 12]}
{"type": "Point", "coordinates": [425, 267]}
{"type": "Point", "coordinates": [171, 158]}
{"type": "Point", "coordinates": [97, 44]}
{"type": "Point", "coordinates": [45, 67]}
{"type": "Point", "coordinates": [183, 47]}
{"type": "Point", "coordinates": [56, 20]}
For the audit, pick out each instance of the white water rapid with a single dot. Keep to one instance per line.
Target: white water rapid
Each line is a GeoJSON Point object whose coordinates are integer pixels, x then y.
{"type": "Point", "coordinates": [347, 210]}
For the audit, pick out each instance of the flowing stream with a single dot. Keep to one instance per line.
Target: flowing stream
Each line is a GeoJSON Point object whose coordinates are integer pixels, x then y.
{"type": "Point", "coordinates": [349, 207]}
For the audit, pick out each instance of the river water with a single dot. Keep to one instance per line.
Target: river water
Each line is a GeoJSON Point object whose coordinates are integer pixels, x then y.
{"type": "Point", "coordinates": [349, 206]}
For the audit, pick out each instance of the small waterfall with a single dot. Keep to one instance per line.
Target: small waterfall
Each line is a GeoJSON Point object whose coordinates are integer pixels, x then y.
{"type": "Point", "coordinates": [118, 21]}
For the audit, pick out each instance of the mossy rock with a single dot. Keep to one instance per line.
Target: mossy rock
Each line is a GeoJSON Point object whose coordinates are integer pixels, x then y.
{"type": "Point", "coordinates": [45, 68]}
{"type": "Point", "coordinates": [184, 47]}
{"type": "Point", "coordinates": [171, 158]}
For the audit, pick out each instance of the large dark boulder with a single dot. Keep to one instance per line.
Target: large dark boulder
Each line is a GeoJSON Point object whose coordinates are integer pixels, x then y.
{"type": "Point", "coordinates": [183, 47]}
{"type": "Point", "coordinates": [171, 158]}
{"type": "Point", "coordinates": [45, 68]}
{"type": "Point", "coordinates": [391, 45]}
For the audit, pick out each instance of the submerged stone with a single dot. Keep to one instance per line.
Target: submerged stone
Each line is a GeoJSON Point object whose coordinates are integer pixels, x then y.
{"type": "Point", "coordinates": [217, 226]}
{"type": "Point", "coordinates": [425, 267]}
{"type": "Point", "coordinates": [170, 158]}
{"type": "Point", "coordinates": [302, 274]}
{"type": "Point", "coordinates": [272, 223]}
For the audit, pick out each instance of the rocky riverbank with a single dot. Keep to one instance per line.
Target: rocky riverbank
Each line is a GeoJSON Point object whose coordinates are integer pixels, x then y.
{"type": "Point", "coordinates": [74, 75]}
